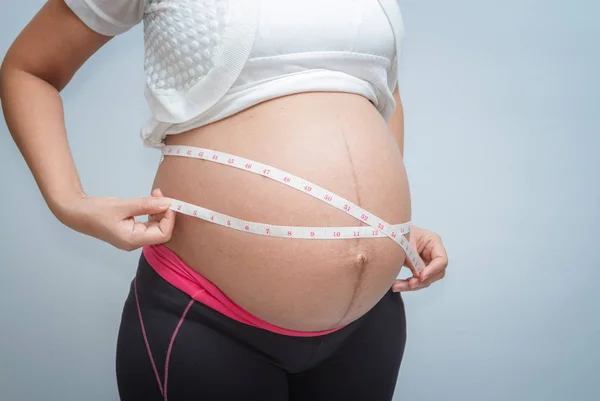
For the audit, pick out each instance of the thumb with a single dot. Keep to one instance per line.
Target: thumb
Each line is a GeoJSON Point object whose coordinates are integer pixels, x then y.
{"type": "Point", "coordinates": [146, 205]}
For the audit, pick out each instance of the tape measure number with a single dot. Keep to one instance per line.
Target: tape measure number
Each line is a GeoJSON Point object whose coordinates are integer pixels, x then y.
{"type": "Point", "coordinates": [378, 228]}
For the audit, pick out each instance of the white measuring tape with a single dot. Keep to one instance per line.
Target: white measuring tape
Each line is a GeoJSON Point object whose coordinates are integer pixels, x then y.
{"type": "Point", "coordinates": [377, 226]}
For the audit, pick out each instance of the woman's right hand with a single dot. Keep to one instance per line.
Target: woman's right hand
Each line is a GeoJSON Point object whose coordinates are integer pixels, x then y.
{"type": "Point", "coordinates": [113, 220]}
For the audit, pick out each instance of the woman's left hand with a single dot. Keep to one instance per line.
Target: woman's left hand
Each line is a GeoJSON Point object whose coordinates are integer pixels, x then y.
{"type": "Point", "coordinates": [433, 255]}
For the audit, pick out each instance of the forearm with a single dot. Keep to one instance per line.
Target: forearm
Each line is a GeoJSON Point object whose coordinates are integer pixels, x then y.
{"type": "Point", "coordinates": [396, 122]}
{"type": "Point", "coordinates": [33, 111]}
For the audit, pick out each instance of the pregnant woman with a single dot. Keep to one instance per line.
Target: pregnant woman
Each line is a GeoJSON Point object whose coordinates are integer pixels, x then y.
{"type": "Point", "coordinates": [278, 218]}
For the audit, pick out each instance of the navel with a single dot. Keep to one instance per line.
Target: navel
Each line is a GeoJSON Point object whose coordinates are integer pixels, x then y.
{"type": "Point", "coordinates": [360, 260]}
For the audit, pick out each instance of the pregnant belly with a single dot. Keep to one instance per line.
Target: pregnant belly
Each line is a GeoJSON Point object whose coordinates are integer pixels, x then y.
{"type": "Point", "coordinates": [337, 141]}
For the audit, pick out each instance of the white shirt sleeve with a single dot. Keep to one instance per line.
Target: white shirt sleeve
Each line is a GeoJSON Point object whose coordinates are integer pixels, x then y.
{"type": "Point", "coordinates": [108, 17]}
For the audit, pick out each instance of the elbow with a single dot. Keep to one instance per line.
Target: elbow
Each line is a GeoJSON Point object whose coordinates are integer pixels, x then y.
{"type": "Point", "coordinates": [11, 70]}
{"type": "Point", "coordinates": [5, 68]}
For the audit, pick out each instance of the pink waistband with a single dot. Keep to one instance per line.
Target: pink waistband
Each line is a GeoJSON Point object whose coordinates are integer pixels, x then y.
{"type": "Point", "coordinates": [178, 274]}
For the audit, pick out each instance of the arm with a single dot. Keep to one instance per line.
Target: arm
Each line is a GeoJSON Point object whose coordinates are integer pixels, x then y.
{"type": "Point", "coordinates": [38, 65]}
{"type": "Point", "coordinates": [396, 122]}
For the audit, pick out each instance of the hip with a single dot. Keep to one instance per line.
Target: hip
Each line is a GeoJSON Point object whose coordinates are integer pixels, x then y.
{"type": "Point", "coordinates": [169, 345]}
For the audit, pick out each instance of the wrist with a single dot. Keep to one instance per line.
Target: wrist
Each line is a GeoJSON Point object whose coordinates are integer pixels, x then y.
{"type": "Point", "coordinates": [66, 205]}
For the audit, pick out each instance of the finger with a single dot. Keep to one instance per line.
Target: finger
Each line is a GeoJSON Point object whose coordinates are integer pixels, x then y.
{"type": "Point", "coordinates": [156, 192]}
{"type": "Point", "coordinates": [434, 249]}
{"type": "Point", "coordinates": [413, 284]}
{"type": "Point", "coordinates": [407, 284]}
{"type": "Point", "coordinates": [412, 268]}
{"type": "Point", "coordinates": [432, 279]}
{"type": "Point", "coordinates": [147, 234]}
{"type": "Point", "coordinates": [142, 206]}
{"type": "Point", "coordinates": [436, 266]}
{"type": "Point", "coordinates": [426, 244]}
{"type": "Point", "coordinates": [422, 243]}
{"type": "Point", "coordinates": [167, 223]}
{"type": "Point", "coordinates": [400, 285]}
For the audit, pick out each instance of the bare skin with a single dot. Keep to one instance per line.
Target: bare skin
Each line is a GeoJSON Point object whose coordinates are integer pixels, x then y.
{"type": "Point", "coordinates": [338, 141]}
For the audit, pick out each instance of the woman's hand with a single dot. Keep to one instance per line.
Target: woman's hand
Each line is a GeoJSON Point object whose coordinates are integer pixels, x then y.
{"type": "Point", "coordinates": [112, 220]}
{"type": "Point", "coordinates": [433, 254]}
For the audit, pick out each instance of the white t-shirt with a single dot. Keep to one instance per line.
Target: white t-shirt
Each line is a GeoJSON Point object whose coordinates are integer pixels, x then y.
{"type": "Point", "coordinates": [208, 59]}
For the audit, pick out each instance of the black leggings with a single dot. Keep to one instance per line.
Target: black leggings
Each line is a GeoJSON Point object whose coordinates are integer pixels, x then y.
{"type": "Point", "coordinates": [209, 356]}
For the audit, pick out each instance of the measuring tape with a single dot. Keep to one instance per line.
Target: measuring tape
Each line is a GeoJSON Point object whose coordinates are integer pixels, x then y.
{"type": "Point", "coordinates": [377, 227]}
